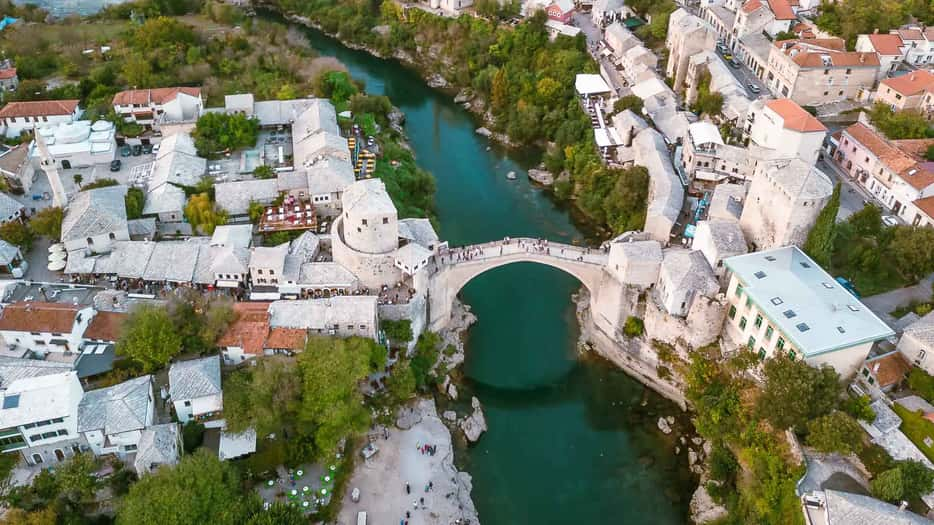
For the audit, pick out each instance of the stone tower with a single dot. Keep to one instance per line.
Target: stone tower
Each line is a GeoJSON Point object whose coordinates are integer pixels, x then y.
{"type": "Point", "coordinates": [51, 170]}
{"type": "Point", "coordinates": [371, 223]}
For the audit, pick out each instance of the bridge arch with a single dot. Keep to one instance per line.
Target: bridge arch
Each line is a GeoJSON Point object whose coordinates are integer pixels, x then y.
{"type": "Point", "coordinates": [460, 266]}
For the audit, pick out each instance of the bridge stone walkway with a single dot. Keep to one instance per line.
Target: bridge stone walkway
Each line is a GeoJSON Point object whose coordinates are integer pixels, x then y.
{"type": "Point", "coordinates": [507, 249]}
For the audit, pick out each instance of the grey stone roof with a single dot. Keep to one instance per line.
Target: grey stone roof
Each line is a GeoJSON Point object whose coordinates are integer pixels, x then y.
{"type": "Point", "coordinates": [323, 314]}
{"type": "Point", "coordinates": [8, 206]}
{"type": "Point", "coordinates": [420, 231]}
{"type": "Point", "coordinates": [325, 274]}
{"type": "Point", "coordinates": [412, 254]}
{"type": "Point", "coordinates": [726, 235]}
{"type": "Point", "coordinates": [330, 175]}
{"type": "Point", "coordinates": [666, 195]}
{"type": "Point", "coordinates": [886, 418]}
{"type": "Point", "coordinates": [235, 197]}
{"type": "Point", "coordinates": [119, 408]}
{"type": "Point", "coordinates": [227, 260]}
{"type": "Point", "coordinates": [8, 252]}
{"type": "Point", "coordinates": [854, 509]}
{"type": "Point", "coordinates": [688, 270]}
{"type": "Point", "coordinates": [12, 369]}
{"type": "Point", "coordinates": [922, 330]}
{"type": "Point", "coordinates": [145, 227]}
{"type": "Point", "coordinates": [127, 259]}
{"type": "Point", "coordinates": [800, 180]}
{"type": "Point", "coordinates": [302, 250]}
{"type": "Point", "coordinates": [641, 251]}
{"type": "Point", "coordinates": [273, 257]}
{"type": "Point", "coordinates": [176, 164]}
{"type": "Point", "coordinates": [95, 212]}
{"type": "Point", "coordinates": [322, 144]}
{"type": "Point", "coordinates": [158, 445]}
{"type": "Point", "coordinates": [173, 261]}
{"type": "Point", "coordinates": [236, 235]}
{"type": "Point", "coordinates": [727, 201]}
{"type": "Point", "coordinates": [367, 197]}
{"type": "Point", "coordinates": [195, 378]}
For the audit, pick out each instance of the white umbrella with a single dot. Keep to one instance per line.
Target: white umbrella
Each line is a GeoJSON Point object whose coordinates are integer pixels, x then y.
{"type": "Point", "coordinates": [57, 256]}
{"type": "Point", "coordinates": [56, 266]}
{"type": "Point", "coordinates": [57, 247]}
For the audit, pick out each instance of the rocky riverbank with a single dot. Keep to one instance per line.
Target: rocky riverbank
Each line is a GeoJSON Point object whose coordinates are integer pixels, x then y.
{"type": "Point", "coordinates": [406, 477]}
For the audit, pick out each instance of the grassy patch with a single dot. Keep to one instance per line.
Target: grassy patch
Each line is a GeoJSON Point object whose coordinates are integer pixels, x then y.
{"type": "Point", "coordinates": [917, 429]}
{"type": "Point", "coordinates": [875, 458]}
{"type": "Point", "coordinates": [919, 308]}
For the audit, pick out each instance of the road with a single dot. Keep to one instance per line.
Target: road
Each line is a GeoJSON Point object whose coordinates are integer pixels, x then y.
{"type": "Point", "coordinates": [745, 76]}
{"type": "Point", "coordinates": [852, 196]}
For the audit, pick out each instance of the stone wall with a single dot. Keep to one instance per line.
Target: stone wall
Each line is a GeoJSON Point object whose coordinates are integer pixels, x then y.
{"type": "Point", "coordinates": [373, 270]}
{"type": "Point", "coordinates": [701, 327]}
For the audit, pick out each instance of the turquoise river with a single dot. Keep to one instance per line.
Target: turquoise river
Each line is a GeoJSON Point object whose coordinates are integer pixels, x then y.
{"type": "Point", "coordinates": [570, 440]}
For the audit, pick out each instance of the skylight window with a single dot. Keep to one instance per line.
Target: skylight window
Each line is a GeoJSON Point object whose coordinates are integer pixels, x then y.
{"type": "Point", "coordinates": [804, 264]}
{"type": "Point", "coordinates": [852, 308]}
{"type": "Point", "coordinates": [11, 401]}
{"type": "Point", "coordinates": [760, 274]}
{"type": "Point", "coordinates": [790, 313]}
{"type": "Point", "coordinates": [827, 285]}
{"type": "Point", "coordinates": [777, 301]}
{"type": "Point", "coordinates": [769, 258]}
{"type": "Point", "coordinates": [803, 327]}
{"type": "Point", "coordinates": [841, 329]}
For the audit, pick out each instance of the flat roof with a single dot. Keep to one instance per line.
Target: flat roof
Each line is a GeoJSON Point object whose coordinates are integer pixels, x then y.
{"type": "Point", "coordinates": [805, 302]}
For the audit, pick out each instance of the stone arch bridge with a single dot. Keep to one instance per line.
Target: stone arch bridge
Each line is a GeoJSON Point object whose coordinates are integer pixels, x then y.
{"type": "Point", "coordinates": [456, 267]}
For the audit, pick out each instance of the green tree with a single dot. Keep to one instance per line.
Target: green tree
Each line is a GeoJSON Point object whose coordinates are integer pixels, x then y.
{"type": "Point", "coordinates": [634, 327]}
{"type": "Point", "coordinates": [912, 250]}
{"type": "Point", "coordinates": [264, 172]}
{"type": "Point", "coordinates": [203, 214]}
{"type": "Point", "coordinates": [332, 405]}
{"type": "Point", "coordinates": [278, 514]}
{"type": "Point", "coordinates": [424, 359]}
{"type": "Point", "coordinates": [255, 211]}
{"type": "Point", "coordinates": [149, 338]}
{"type": "Point", "coordinates": [888, 485]}
{"type": "Point", "coordinates": [630, 102]}
{"type": "Point", "coordinates": [796, 392]}
{"type": "Point", "coordinates": [858, 408]}
{"type": "Point", "coordinates": [17, 233]}
{"type": "Point", "coordinates": [217, 132]}
{"type": "Point", "coordinates": [48, 222]}
{"type": "Point", "coordinates": [99, 183]}
{"type": "Point", "coordinates": [908, 480]}
{"type": "Point", "coordinates": [135, 201]}
{"type": "Point", "coordinates": [921, 383]}
{"type": "Point", "coordinates": [819, 244]}
{"type": "Point", "coordinates": [200, 489]}
{"type": "Point", "coordinates": [715, 397]}
{"type": "Point", "coordinates": [401, 383]}
{"type": "Point", "coordinates": [895, 125]}
{"type": "Point", "coordinates": [76, 480]}
{"type": "Point", "coordinates": [265, 397]}
{"type": "Point", "coordinates": [46, 516]}
{"type": "Point", "coordinates": [835, 432]}
{"type": "Point", "coordinates": [867, 222]}
{"type": "Point", "coordinates": [335, 85]}
{"type": "Point", "coordinates": [397, 332]}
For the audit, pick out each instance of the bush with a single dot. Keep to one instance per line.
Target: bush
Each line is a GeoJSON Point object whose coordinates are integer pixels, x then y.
{"type": "Point", "coordinates": [858, 407]}
{"type": "Point", "coordinates": [217, 132]}
{"type": "Point", "coordinates": [921, 383]}
{"type": "Point", "coordinates": [835, 432]}
{"type": "Point", "coordinates": [48, 222]}
{"type": "Point", "coordinates": [192, 436]}
{"type": "Point", "coordinates": [634, 327]}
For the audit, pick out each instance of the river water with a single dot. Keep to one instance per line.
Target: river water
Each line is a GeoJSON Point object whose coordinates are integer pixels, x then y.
{"type": "Point", "coordinates": [570, 440]}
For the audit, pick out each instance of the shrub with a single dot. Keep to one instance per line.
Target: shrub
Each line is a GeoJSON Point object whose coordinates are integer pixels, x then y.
{"type": "Point", "coordinates": [634, 327]}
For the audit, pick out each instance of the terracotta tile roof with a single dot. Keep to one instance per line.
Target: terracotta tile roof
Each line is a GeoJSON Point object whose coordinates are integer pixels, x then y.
{"type": "Point", "coordinates": [794, 116]}
{"type": "Point", "coordinates": [156, 96]}
{"type": "Point", "coordinates": [926, 205]}
{"type": "Point", "coordinates": [889, 369]}
{"type": "Point", "coordinates": [782, 10]}
{"type": "Point", "coordinates": [803, 30]}
{"type": "Point", "coordinates": [8, 73]}
{"type": "Point", "coordinates": [901, 156]}
{"type": "Point", "coordinates": [39, 108]}
{"type": "Point", "coordinates": [808, 52]}
{"type": "Point", "coordinates": [886, 44]}
{"type": "Point", "coordinates": [910, 34]}
{"type": "Point", "coordinates": [105, 326]}
{"type": "Point", "coordinates": [929, 33]}
{"type": "Point", "coordinates": [287, 338]}
{"type": "Point", "coordinates": [38, 317]}
{"type": "Point", "coordinates": [249, 329]}
{"type": "Point", "coordinates": [751, 6]}
{"type": "Point", "coordinates": [912, 83]}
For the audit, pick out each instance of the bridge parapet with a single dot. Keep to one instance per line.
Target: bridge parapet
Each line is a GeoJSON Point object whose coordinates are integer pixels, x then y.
{"type": "Point", "coordinates": [508, 248]}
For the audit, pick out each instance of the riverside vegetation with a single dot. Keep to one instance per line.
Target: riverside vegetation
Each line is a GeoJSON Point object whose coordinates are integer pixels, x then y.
{"type": "Point", "coordinates": [523, 82]}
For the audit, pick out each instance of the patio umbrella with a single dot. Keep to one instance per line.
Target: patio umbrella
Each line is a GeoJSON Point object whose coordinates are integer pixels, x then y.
{"type": "Point", "coordinates": [299, 472]}
{"type": "Point", "coordinates": [324, 492]}
{"type": "Point", "coordinates": [56, 266]}
{"type": "Point", "coordinates": [57, 256]}
{"type": "Point", "coordinates": [57, 247]}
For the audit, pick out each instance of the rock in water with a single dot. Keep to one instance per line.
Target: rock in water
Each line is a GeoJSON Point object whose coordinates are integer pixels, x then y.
{"type": "Point", "coordinates": [475, 424]}
{"type": "Point", "coordinates": [452, 391]}
{"type": "Point", "coordinates": [483, 132]}
{"type": "Point", "coordinates": [463, 95]}
{"type": "Point", "coordinates": [437, 81]}
{"type": "Point", "coordinates": [542, 177]}
{"type": "Point", "coordinates": [511, 175]}
{"type": "Point", "coordinates": [664, 426]}
{"type": "Point", "coordinates": [692, 457]}
{"type": "Point", "coordinates": [449, 415]}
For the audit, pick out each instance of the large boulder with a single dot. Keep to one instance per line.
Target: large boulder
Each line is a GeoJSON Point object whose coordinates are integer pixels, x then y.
{"type": "Point", "coordinates": [703, 508]}
{"type": "Point", "coordinates": [474, 425]}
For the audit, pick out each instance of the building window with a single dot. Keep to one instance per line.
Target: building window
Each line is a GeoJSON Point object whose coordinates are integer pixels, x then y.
{"type": "Point", "coordinates": [732, 312]}
{"type": "Point", "coordinates": [272, 272]}
{"type": "Point", "coordinates": [385, 220]}
{"type": "Point", "coordinates": [768, 333]}
{"type": "Point", "coordinates": [63, 432]}
{"type": "Point", "coordinates": [739, 290]}
{"type": "Point", "coordinates": [781, 343]}
{"type": "Point", "coordinates": [187, 403]}
{"type": "Point", "coordinates": [761, 353]}
{"type": "Point", "coordinates": [751, 343]}
{"type": "Point", "coordinates": [758, 322]}
{"type": "Point", "coordinates": [363, 222]}
{"type": "Point", "coordinates": [748, 302]}
{"type": "Point", "coordinates": [792, 355]}
{"type": "Point", "coordinates": [742, 323]}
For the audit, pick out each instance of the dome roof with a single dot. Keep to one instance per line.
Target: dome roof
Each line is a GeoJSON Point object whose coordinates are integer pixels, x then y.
{"type": "Point", "coordinates": [102, 125]}
{"type": "Point", "coordinates": [72, 132]}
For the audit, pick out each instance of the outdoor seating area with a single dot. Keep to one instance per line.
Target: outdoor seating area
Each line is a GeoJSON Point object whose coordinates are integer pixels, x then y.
{"type": "Point", "coordinates": [401, 293]}
{"type": "Point", "coordinates": [291, 215]}
{"type": "Point", "coordinates": [307, 488]}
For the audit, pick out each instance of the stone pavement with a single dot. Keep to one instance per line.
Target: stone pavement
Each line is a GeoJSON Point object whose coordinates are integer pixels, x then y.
{"type": "Point", "coordinates": [852, 196]}
{"type": "Point", "coordinates": [882, 304]}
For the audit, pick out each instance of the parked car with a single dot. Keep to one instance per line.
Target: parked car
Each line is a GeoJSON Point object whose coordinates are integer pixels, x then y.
{"type": "Point", "coordinates": [734, 63]}
{"type": "Point", "coordinates": [147, 148]}
{"type": "Point", "coordinates": [728, 57]}
{"type": "Point", "coordinates": [125, 151]}
{"type": "Point", "coordinates": [890, 220]}
{"type": "Point", "coordinates": [137, 150]}
{"type": "Point", "coordinates": [753, 88]}
{"type": "Point", "coordinates": [115, 165]}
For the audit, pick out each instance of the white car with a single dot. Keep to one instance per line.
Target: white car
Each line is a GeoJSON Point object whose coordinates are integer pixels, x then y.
{"type": "Point", "coordinates": [890, 220]}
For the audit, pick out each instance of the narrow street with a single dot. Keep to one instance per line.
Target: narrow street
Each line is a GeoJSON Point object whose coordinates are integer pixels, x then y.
{"type": "Point", "coordinates": [852, 196]}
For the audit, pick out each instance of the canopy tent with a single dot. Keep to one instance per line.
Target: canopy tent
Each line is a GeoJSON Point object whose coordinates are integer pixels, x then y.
{"type": "Point", "coordinates": [588, 84]}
